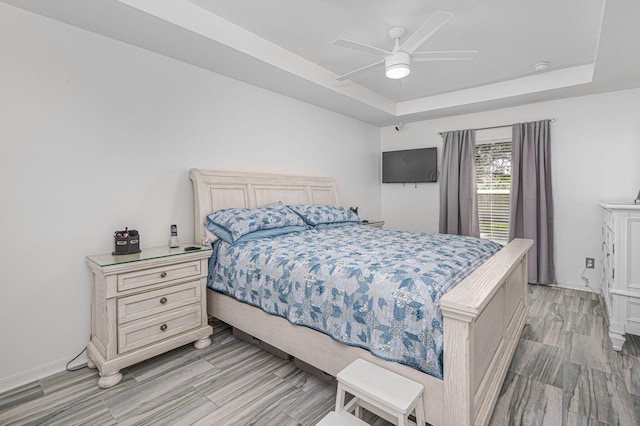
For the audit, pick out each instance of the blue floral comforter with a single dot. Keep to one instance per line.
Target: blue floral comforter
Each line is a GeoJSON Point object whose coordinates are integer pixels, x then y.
{"type": "Point", "coordinates": [368, 287]}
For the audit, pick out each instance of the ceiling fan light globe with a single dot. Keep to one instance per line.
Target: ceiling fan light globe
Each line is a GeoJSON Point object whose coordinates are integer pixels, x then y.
{"type": "Point", "coordinates": [396, 72]}
{"type": "Point", "coordinates": [397, 65]}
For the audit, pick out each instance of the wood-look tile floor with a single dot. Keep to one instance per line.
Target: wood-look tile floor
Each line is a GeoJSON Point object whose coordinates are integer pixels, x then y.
{"type": "Point", "coordinates": [564, 372]}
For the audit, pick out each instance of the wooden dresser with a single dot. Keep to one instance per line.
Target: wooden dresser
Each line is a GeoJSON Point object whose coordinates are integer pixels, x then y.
{"type": "Point", "coordinates": [621, 269]}
{"type": "Point", "coordinates": [145, 304]}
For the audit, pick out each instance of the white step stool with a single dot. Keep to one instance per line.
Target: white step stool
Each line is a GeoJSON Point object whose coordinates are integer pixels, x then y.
{"type": "Point", "coordinates": [341, 419]}
{"type": "Point", "coordinates": [381, 392]}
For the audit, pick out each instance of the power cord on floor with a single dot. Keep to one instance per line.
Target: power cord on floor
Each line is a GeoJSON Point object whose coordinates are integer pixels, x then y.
{"type": "Point", "coordinates": [76, 357]}
{"type": "Point", "coordinates": [585, 280]}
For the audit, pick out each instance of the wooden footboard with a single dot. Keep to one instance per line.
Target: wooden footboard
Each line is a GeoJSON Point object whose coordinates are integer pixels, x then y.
{"type": "Point", "coordinates": [483, 319]}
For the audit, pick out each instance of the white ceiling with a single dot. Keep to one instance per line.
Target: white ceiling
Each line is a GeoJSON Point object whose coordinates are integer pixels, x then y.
{"type": "Point", "coordinates": [285, 46]}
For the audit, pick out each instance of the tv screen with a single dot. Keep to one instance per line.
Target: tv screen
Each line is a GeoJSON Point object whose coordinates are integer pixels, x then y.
{"type": "Point", "coordinates": [410, 166]}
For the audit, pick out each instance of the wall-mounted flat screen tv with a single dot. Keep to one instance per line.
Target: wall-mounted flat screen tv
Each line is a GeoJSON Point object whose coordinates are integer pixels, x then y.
{"type": "Point", "coordinates": [410, 166]}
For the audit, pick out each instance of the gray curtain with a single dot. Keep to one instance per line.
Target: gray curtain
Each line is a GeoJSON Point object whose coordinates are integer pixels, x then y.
{"type": "Point", "coordinates": [531, 213]}
{"type": "Point", "coordinates": [458, 198]}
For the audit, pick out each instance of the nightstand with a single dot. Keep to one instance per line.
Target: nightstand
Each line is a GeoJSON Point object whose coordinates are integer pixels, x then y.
{"type": "Point", "coordinates": [145, 304]}
{"type": "Point", "coordinates": [374, 223]}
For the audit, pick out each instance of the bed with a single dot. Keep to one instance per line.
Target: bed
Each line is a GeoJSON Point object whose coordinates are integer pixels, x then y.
{"type": "Point", "coordinates": [483, 316]}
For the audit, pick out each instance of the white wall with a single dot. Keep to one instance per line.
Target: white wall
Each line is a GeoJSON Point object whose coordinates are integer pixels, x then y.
{"type": "Point", "coordinates": [595, 148]}
{"type": "Point", "coordinates": [96, 135]}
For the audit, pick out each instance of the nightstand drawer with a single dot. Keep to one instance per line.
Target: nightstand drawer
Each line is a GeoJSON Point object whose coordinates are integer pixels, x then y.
{"type": "Point", "coordinates": [158, 275]}
{"type": "Point", "coordinates": [155, 302]}
{"type": "Point", "coordinates": [153, 329]}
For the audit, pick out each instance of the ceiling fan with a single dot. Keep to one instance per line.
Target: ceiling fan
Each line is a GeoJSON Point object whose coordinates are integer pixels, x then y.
{"type": "Point", "coordinates": [397, 62]}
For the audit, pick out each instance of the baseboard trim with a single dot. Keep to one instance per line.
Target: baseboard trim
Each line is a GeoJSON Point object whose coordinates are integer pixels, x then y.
{"type": "Point", "coordinates": [580, 287]}
{"type": "Point", "coordinates": [34, 374]}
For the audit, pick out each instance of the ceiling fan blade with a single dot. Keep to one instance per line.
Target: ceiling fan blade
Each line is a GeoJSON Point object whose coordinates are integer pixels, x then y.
{"type": "Point", "coordinates": [445, 55]}
{"type": "Point", "coordinates": [427, 29]}
{"type": "Point", "coordinates": [360, 47]}
{"type": "Point", "coordinates": [361, 70]}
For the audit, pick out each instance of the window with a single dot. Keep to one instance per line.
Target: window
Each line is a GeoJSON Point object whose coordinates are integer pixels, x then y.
{"type": "Point", "coordinates": [493, 182]}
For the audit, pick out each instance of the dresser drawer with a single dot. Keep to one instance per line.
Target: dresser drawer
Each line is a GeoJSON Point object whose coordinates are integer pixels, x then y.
{"type": "Point", "coordinates": [159, 275]}
{"type": "Point", "coordinates": [153, 329]}
{"type": "Point", "coordinates": [155, 302]}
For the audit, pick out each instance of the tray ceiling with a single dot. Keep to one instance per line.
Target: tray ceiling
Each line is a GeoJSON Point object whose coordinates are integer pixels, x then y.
{"type": "Point", "coordinates": [285, 46]}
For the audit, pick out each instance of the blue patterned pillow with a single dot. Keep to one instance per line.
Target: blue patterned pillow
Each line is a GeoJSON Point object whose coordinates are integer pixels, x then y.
{"type": "Point", "coordinates": [316, 214]}
{"type": "Point", "coordinates": [232, 224]}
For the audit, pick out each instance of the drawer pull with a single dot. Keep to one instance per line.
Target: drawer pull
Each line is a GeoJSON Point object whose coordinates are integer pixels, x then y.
{"type": "Point", "coordinates": [163, 275]}
{"type": "Point", "coordinates": [163, 300]}
{"type": "Point", "coordinates": [163, 327]}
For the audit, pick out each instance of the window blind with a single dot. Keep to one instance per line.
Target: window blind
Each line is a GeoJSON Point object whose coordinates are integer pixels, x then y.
{"type": "Point", "coordinates": [493, 181]}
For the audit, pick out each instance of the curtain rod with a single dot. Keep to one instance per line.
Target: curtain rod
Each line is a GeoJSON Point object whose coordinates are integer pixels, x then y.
{"type": "Point", "coordinates": [497, 127]}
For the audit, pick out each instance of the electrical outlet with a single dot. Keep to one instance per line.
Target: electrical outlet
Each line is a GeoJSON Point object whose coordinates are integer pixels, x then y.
{"type": "Point", "coordinates": [589, 263]}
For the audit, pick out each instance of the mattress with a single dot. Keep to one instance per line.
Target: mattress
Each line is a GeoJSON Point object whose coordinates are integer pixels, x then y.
{"type": "Point", "coordinates": [372, 288]}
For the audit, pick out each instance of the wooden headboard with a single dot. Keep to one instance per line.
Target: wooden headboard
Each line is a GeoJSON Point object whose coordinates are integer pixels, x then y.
{"type": "Point", "coordinates": [215, 190]}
